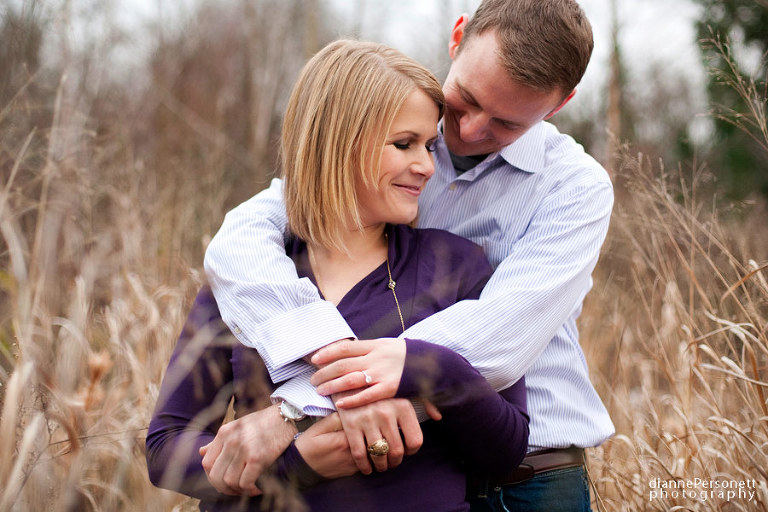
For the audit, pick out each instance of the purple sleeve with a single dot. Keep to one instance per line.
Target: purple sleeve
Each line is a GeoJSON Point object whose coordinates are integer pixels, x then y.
{"type": "Point", "coordinates": [291, 467]}
{"type": "Point", "coordinates": [194, 395]}
{"type": "Point", "coordinates": [193, 400]}
{"type": "Point", "coordinates": [491, 428]}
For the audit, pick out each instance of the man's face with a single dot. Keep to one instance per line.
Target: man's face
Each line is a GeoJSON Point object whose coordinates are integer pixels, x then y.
{"type": "Point", "coordinates": [485, 109]}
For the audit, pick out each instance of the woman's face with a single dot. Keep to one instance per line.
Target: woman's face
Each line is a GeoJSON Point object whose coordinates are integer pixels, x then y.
{"type": "Point", "coordinates": [406, 165]}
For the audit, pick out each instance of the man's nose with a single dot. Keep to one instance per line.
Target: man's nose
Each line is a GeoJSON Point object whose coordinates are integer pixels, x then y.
{"type": "Point", "coordinates": [473, 126]}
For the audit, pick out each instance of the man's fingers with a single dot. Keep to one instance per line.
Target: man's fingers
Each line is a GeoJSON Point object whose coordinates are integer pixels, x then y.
{"type": "Point", "coordinates": [396, 449]}
{"type": "Point", "coordinates": [212, 451]}
{"type": "Point", "coordinates": [432, 410]}
{"type": "Point", "coordinates": [247, 483]}
{"type": "Point", "coordinates": [359, 451]}
{"type": "Point", "coordinates": [412, 435]}
{"type": "Point", "coordinates": [217, 474]}
{"type": "Point", "coordinates": [232, 476]}
{"type": "Point", "coordinates": [380, 462]}
{"type": "Point", "coordinates": [331, 423]}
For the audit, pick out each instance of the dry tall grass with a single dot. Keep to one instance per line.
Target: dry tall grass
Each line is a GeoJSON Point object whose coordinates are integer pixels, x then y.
{"type": "Point", "coordinates": [676, 331]}
{"type": "Point", "coordinates": [676, 335]}
{"type": "Point", "coordinates": [93, 296]}
{"type": "Point", "coordinates": [98, 258]}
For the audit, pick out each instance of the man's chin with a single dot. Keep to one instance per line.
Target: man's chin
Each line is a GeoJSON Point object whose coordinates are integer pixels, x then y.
{"type": "Point", "coordinates": [460, 148]}
{"type": "Point", "coordinates": [457, 146]}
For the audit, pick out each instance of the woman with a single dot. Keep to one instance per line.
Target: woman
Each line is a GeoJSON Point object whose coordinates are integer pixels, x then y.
{"type": "Point", "coordinates": [356, 148]}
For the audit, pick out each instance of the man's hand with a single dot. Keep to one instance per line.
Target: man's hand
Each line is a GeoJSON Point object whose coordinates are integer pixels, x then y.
{"type": "Point", "coordinates": [384, 419]}
{"type": "Point", "coordinates": [243, 448]}
{"type": "Point", "coordinates": [325, 449]}
{"type": "Point", "coordinates": [343, 366]}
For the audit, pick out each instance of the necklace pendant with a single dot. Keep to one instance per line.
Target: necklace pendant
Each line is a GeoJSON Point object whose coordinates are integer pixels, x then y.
{"type": "Point", "coordinates": [391, 285]}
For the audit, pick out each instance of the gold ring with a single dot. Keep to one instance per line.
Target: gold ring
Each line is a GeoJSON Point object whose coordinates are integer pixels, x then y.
{"type": "Point", "coordinates": [379, 448]}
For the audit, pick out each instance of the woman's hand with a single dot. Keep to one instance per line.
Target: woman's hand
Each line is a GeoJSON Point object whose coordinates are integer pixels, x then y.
{"type": "Point", "coordinates": [243, 448]}
{"type": "Point", "coordinates": [325, 449]}
{"type": "Point", "coordinates": [344, 366]}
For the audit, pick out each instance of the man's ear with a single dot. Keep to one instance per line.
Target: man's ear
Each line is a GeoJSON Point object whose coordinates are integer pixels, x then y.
{"type": "Point", "coordinates": [457, 34]}
{"type": "Point", "coordinates": [561, 105]}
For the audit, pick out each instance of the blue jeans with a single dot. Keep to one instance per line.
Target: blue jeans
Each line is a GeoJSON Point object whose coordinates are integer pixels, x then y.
{"type": "Point", "coordinates": [559, 490]}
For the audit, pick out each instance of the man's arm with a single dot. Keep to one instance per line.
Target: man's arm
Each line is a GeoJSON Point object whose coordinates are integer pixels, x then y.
{"type": "Point", "coordinates": [533, 292]}
{"type": "Point", "coordinates": [261, 298]}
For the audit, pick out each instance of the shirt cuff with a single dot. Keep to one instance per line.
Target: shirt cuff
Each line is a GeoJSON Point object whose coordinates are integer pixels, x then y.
{"type": "Point", "coordinates": [300, 393]}
{"type": "Point", "coordinates": [290, 336]}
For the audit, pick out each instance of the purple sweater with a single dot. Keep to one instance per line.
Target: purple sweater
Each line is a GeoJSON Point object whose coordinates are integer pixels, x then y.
{"type": "Point", "coordinates": [482, 432]}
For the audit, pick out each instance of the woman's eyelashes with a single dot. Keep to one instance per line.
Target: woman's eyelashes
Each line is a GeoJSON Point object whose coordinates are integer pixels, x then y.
{"type": "Point", "coordinates": [431, 145]}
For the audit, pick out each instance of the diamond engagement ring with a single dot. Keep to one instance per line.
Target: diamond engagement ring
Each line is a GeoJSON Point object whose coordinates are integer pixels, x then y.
{"type": "Point", "coordinates": [368, 378]}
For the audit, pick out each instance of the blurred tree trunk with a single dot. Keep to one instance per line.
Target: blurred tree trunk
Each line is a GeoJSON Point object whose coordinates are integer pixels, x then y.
{"type": "Point", "coordinates": [615, 82]}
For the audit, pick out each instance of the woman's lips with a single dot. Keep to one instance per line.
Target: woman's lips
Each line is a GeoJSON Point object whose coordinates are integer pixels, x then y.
{"type": "Point", "coordinates": [414, 190]}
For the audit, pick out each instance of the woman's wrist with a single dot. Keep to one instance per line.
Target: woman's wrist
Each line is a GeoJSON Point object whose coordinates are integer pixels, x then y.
{"type": "Point", "coordinates": [292, 468]}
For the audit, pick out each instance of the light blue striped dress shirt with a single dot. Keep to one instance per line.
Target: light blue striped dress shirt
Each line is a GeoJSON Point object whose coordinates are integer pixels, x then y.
{"type": "Point", "coordinates": [540, 208]}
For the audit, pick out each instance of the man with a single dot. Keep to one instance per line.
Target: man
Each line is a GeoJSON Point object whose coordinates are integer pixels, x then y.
{"type": "Point", "coordinates": [505, 179]}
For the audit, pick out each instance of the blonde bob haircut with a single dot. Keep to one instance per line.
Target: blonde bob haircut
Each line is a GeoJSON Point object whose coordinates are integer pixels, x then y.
{"type": "Point", "coordinates": [335, 128]}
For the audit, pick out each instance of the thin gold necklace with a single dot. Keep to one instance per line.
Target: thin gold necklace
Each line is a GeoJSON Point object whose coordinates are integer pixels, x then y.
{"type": "Point", "coordinates": [391, 286]}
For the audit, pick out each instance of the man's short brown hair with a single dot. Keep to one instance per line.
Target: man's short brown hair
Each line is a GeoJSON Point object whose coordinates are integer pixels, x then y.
{"type": "Point", "coordinates": [544, 44]}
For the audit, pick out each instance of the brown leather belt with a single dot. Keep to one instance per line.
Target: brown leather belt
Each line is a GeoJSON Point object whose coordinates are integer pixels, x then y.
{"type": "Point", "coordinates": [541, 461]}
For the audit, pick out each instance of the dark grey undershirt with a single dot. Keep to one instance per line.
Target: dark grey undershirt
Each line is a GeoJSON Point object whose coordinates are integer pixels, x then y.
{"type": "Point", "coordinates": [465, 163]}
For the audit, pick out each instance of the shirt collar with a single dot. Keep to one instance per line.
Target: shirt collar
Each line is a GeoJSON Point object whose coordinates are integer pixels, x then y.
{"type": "Point", "coordinates": [528, 153]}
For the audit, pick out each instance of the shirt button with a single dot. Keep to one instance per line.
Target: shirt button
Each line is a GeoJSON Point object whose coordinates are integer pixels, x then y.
{"type": "Point", "coordinates": [452, 186]}
{"type": "Point", "coordinates": [237, 330]}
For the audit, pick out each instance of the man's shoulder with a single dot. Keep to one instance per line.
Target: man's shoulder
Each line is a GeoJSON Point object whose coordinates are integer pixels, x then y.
{"type": "Point", "coordinates": [551, 158]}
{"type": "Point", "coordinates": [565, 157]}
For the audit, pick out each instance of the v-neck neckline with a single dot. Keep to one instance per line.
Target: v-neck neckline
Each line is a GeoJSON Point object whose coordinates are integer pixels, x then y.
{"type": "Point", "coordinates": [304, 268]}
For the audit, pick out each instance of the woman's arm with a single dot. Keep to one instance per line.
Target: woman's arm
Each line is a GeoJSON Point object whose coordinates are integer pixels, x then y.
{"type": "Point", "coordinates": [194, 395]}
{"type": "Point", "coordinates": [319, 454]}
{"type": "Point", "coordinates": [490, 429]}
{"type": "Point", "coordinates": [187, 423]}
{"type": "Point", "coordinates": [188, 449]}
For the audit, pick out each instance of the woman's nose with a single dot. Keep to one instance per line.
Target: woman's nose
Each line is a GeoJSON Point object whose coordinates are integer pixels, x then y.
{"type": "Point", "coordinates": [425, 165]}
